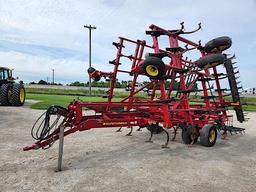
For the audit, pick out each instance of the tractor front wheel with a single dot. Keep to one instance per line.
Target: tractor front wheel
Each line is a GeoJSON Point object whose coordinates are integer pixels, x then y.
{"type": "Point", "coordinates": [18, 95]}
{"type": "Point", "coordinates": [208, 135]}
{"type": "Point", "coordinates": [5, 94]}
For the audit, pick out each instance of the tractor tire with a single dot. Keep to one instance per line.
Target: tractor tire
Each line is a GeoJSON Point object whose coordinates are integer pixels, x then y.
{"type": "Point", "coordinates": [18, 95]}
{"type": "Point", "coordinates": [186, 136]}
{"type": "Point", "coordinates": [5, 94]}
{"type": "Point", "coordinates": [212, 60]}
{"type": "Point", "coordinates": [218, 45]}
{"type": "Point", "coordinates": [155, 129]}
{"type": "Point", "coordinates": [208, 135]}
{"type": "Point", "coordinates": [153, 67]}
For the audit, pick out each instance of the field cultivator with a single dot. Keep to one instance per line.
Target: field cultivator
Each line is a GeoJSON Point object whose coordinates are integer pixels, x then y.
{"type": "Point", "coordinates": [199, 107]}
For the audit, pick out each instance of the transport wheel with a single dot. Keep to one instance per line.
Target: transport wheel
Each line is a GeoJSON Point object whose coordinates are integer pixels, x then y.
{"type": "Point", "coordinates": [91, 70]}
{"type": "Point", "coordinates": [18, 95]}
{"type": "Point", "coordinates": [189, 134]}
{"type": "Point", "coordinates": [212, 60]}
{"type": "Point", "coordinates": [153, 67]}
{"type": "Point", "coordinates": [218, 44]}
{"type": "Point", "coordinates": [208, 135]}
{"type": "Point", "coordinates": [96, 78]}
{"type": "Point", "coordinates": [155, 129]}
{"type": "Point", "coordinates": [5, 94]}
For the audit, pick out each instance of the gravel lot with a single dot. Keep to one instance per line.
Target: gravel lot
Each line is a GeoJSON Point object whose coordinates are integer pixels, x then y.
{"type": "Point", "coordinates": [103, 160]}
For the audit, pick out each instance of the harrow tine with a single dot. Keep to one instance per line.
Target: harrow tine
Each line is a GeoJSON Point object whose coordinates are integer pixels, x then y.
{"type": "Point", "coordinates": [232, 57]}
{"type": "Point", "coordinates": [150, 138]}
{"type": "Point", "coordinates": [130, 133]}
{"type": "Point", "coordinates": [119, 130]}
{"type": "Point", "coordinates": [175, 133]}
{"type": "Point", "coordinates": [167, 140]}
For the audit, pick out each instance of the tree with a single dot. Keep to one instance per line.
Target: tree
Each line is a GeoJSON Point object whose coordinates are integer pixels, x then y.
{"type": "Point", "coordinates": [42, 82]}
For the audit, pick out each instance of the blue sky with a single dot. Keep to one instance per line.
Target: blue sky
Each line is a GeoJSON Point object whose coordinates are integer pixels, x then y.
{"type": "Point", "coordinates": [36, 36]}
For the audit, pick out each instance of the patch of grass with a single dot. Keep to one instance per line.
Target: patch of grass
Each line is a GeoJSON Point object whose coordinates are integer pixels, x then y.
{"type": "Point", "coordinates": [251, 108]}
{"type": "Point", "coordinates": [46, 100]}
{"type": "Point", "coordinates": [73, 92]}
{"type": "Point", "coordinates": [80, 92]}
{"type": "Point", "coordinates": [57, 97]}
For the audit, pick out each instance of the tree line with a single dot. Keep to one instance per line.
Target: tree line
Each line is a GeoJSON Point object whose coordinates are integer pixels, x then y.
{"type": "Point", "coordinates": [106, 84]}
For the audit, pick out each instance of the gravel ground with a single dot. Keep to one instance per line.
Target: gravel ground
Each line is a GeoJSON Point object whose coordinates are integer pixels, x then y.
{"type": "Point", "coordinates": [103, 160]}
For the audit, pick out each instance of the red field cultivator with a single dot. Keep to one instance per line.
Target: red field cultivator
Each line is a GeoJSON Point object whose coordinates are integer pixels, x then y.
{"type": "Point", "coordinates": [198, 106]}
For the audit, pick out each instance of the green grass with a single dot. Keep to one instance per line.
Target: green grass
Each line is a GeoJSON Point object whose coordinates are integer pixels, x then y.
{"type": "Point", "coordinates": [63, 97]}
{"type": "Point", "coordinates": [46, 100]}
{"type": "Point", "coordinates": [52, 91]}
{"type": "Point", "coordinates": [251, 108]}
{"type": "Point", "coordinates": [80, 92]}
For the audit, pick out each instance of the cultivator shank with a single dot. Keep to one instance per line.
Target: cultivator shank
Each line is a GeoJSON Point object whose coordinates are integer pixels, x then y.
{"type": "Point", "coordinates": [197, 106]}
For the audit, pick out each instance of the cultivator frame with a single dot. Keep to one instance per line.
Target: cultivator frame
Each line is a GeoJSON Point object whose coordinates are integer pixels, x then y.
{"type": "Point", "coordinates": [171, 109]}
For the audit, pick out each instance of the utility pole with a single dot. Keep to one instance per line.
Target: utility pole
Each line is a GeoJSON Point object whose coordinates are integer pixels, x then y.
{"type": "Point", "coordinates": [53, 76]}
{"type": "Point", "coordinates": [90, 54]}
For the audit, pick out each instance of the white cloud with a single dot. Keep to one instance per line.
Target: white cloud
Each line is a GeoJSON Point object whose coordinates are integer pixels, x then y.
{"type": "Point", "coordinates": [34, 68]}
{"type": "Point", "coordinates": [59, 23]}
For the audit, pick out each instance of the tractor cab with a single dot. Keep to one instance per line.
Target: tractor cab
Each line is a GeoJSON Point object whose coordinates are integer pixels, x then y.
{"type": "Point", "coordinates": [5, 74]}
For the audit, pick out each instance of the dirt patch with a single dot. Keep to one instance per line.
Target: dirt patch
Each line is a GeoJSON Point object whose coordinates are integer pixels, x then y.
{"type": "Point", "coordinates": [103, 160]}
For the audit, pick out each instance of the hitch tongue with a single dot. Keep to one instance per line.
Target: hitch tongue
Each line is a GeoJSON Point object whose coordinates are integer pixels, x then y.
{"type": "Point", "coordinates": [33, 146]}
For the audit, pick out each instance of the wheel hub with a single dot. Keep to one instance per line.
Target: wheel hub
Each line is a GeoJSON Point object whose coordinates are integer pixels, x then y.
{"type": "Point", "coordinates": [152, 70]}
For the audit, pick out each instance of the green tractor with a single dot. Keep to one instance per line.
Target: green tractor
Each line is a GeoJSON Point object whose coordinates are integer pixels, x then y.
{"type": "Point", "coordinates": [11, 92]}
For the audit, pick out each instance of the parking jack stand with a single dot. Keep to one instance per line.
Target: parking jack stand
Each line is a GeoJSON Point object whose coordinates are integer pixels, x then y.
{"type": "Point", "coordinates": [61, 142]}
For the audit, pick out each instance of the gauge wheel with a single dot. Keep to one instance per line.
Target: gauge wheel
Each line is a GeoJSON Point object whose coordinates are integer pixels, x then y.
{"type": "Point", "coordinates": [212, 60]}
{"type": "Point", "coordinates": [189, 134]}
{"type": "Point", "coordinates": [153, 67]}
{"type": "Point", "coordinates": [218, 45]}
{"type": "Point", "coordinates": [208, 135]}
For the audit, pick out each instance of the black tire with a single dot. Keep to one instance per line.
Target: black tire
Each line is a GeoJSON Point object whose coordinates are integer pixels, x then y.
{"type": "Point", "coordinates": [155, 65]}
{"type": "Point", "coordinates": [5, 94]}
{"type": "Point", "coordinates": [97, 78]}
{"type": "Point", "coordinates": [212, 60]}
{"type": "Point", "coordinates": [186, 135]}
{"type": "Point", "coordinates": [218, 44]}
{"type": "Point", "coordinates": [18, 95]}
{"type": "Point", "coordinates": [90, 70]}
{"type": "Point", "coordinates": [205, 135]}
{"type": "Point", "coordinates": [155, 129]}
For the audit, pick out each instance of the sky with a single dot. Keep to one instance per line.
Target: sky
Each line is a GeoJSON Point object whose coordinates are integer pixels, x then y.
{"type": "Point", "coordinates": [37, 36]}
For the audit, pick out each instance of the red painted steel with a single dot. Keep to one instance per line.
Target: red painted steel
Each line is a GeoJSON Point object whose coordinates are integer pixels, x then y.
{"type": "Point", "coordinates": [164, 110]}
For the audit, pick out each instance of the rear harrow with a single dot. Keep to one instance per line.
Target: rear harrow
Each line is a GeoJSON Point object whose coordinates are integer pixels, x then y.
{"type": "Point", "coordinates": [164, 107]}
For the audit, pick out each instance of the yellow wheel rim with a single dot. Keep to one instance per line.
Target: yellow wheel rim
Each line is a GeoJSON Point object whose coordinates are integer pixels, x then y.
{"type": "Point", "coordinates": [22, 95]}
{"type": "Point", "coordinates": [152, 70]}
{"type": "Point", "coordinates": [9, 93]}
{"type": "Point", "coordinates": [212, 136]}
